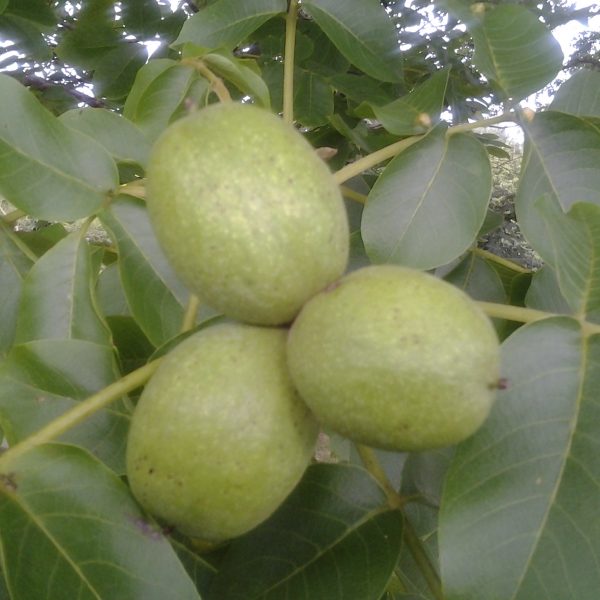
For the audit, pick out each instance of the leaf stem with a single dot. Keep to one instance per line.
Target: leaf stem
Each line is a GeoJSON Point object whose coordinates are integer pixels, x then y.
{"type": "Point", "coordinates": [423, 561]}
{"type": "Point", "coordinates": [191, 311]}
{"type": "Point", "coordinates": [366, 162]}
{"type": "Point", "coordinates": [396, 500]}
{"type": "Point", "coordinates": [291, 21]}
{"type": "Point", "coordinates": [353, 195]}
{"type": "Point", "coordinates": [515, 313]}
{"type": "Point", "coordinates": [82, 411]}
{"type": "Point", "coordinates": [509, 264]}
{"type": "Point", "coordinates": [503, 118]}
{"type": "Point", "coordinates": [369, 459]}
{"type": "Point", "coordinates": [216, 83]}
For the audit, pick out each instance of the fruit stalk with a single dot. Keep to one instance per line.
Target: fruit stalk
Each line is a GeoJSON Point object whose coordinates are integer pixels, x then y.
{"type": "Point", "coordinates": [288, 65]}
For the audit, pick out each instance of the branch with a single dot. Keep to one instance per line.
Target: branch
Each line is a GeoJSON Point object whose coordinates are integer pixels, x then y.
{"type": "Point", "coordinates": [39, 84]}
{"type": "Point", "coordinates": [288, 64]}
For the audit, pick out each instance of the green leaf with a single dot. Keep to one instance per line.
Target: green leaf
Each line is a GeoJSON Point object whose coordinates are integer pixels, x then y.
{"type": "Point", "coordinates": [428, 205]}
{"type": "Point", "coordinates": [133, 347]}
{"type": "Point", "coordinates": [26, 37]}
{"type": "Point", "coordinates": [561, 158]}
{"type": "Point", "coordinates": [48, 170]}
{"type": "Point", "coordinates": [39, 241]}
{"type": "Point", "coordinates": [14, 265]}
{"type": "Point", "coordinates": [579, 95]}
{"type": "Point", "coordinates": [41, 380]}
{"type": "Point", "coordinates": [110, 295]}
{"type": "Point", "coordinates": [519, 515]}
{"type": "Point", "coordinates": [57, 300]}
{"type": "Point", "coordinates": [36, 11]}
{"type": "Point", "coordinates": [70, 529]}
{"type": "Point", "coordinates": [478, 279]}
{"type": "Point", "coordinates": [115, 72]}
{"type": "Point", "coordinates": [362, 32]}
{"type": "Point", "coordinates": [416, 112]}
{"type": "Point", "coordinates": [313, 99]}
{"type": "Point", "coordinates": [515, 51]}
{"type": "Point", "coordinates": [492, 221]}
{"type": "Point", "coordinates": [154, 293]}
{"type": "Point", "coordinates": [121, 138]}
{"type": "Point", "coordinates": [333, 538]}
{"type": "Point", "coordinates": [93, 34]}
{"type": "Point", "coordinates": [575, 239]}
{"type": "Point", "coordinates": [142, 17]}
{"type": "Point", "coordinates": [160, 89]}
{"type": "Point", "coordinates": [544, 293]}
{"type": "Point", "coordinates": [225, 23]}
{"type": "Point", "coordinates": [361, 88]}
{"type": "Point", "coordinates": [241, 74]}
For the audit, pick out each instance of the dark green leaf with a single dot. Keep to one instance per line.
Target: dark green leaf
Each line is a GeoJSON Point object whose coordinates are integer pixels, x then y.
{"type": "Point", "coordinates": [497, 152]}
{"type": "Point", "coordinates": [225, 23]}
{"type": "Point", "coordinates": [141, 17]}
{"type": "Point", "coordinates": [544, 293]}
{"type": "Point", "coordinates": [492, 221]}
{"type": "Point", "coordinates": [333, 538]}
{"type": "Point", "coordinates": [361, 88]}
{"type": "Point", "coordinates": [161, 87]}
{"type": "Point", "coordinates": [111, 297]}
{"type": "Point", "coordinates": [115, 72]}
{"type": "Point", "coordinates": [48, 170]}
{"type": "Point", "coordinates": [575, 240]}
{"type": "Point", "coordinates": [416, 112]}
{"type": "Point", "coordinates": [200, 571]}
{"type": "Point", "coordinates": [70, 529]}
{"type": "Point", "coordinates": [514, 50]}
{"type": "Point", "coordinates": [520, 509]}
{"type": "Point", "coordinates": [313, 99]}
{"type": "Point", "coordinates": [362, 32]}
{"type": "Point", "coordinates": [579, 95]}
{"type": "Point", "coordinates": [478, 279]}
{"type": "Point", "coordinates": [133, 347]}
{"type": "Point", "coordinates": [428, 205]}
{"type": "Point", "coordinates": [325, 58]}
{"type": "Point", "coordinates": [561, 158]}
{"type": "Point", "coordinates": [14, 265]}
{"type": "Point", "coordinates": [121, 138]}
{"type": "Point", "coordinates": [57, 300]}
{"type": "Point", "coordinates": [26, 37]}
{"type": "Point", "coordinates": [41, 380]}
{"type": "Point", "coordinates": [36, 11]}
{"type": "Point", "coordinates": [41, 239]}
{"type": "Point", "coordinates": [154, 293]}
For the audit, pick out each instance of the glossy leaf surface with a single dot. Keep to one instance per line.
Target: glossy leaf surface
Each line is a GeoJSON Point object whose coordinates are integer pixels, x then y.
{"type": "Point", "coordinates": [430, 202]}
{"type": "Point", "coordinates": [332, 538]}
{"type": "Point", "coordinates": [57, 301]}
{"type": "Point", "coordinates": [579, 95]}
{"type": "Point", "coordinates": [514, 50]}
{"type": "Point", "coordinates": [518, 516]}
{"type": "Point", "coordinates": [562, 153]}
{"type": "Point", "coordinates": [362, 32]}
{"type": "Point", "coordinates": [76, 521]}
{"type": "Point", "coordinates": [47, 169]}
{"type": "Point", "coordinates": [224, 23]}
{"type": "Point", "coordinates": [14, 265]}
{"type": "Point", "coordinates": [121, 138]}
{"type": "Point", "coordinates": [155, 294]}
{"type": "Point", "coordinates": [41, 380]}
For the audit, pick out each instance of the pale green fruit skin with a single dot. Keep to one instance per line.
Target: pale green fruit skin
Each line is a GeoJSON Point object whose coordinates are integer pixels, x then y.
{"type": "Point", "coordinates": [396, 359]}
{"type": "Point", "coordinates": [249, 217]}
{"type": "Point", "coordinates": [220, 437]}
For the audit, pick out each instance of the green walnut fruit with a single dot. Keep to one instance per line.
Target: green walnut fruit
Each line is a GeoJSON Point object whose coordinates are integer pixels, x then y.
{"type": "Point", "coordinates": [396, 359]}
{"type": "Point", "coordinates": [248, 215]}
{"type": "Point", "coordinates": [220, 437]}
